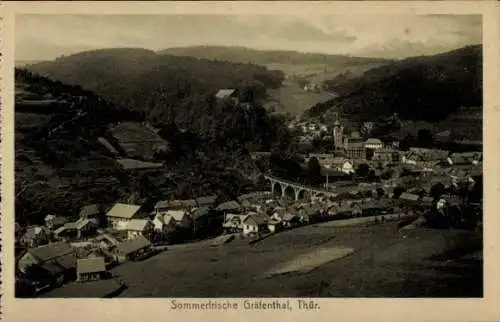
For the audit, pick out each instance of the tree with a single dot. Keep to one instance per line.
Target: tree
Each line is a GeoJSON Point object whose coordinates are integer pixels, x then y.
{"type": "Point", "coordinates": [363, 170]}
{"type": "Point", "coordinates": [424, 138]}
{"type": "Point", "coordinates": [437, 190]}
{"type": "Point", "coordinates": [313, 175]}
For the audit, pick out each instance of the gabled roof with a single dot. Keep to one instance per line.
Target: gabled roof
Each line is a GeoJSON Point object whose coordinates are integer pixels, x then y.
{"type": "Point", "coordinates": [121, 210]}
{"type": "Point", "coordinates": [258, 219]}
{"type": "Point", "coordinates": [230, 217]}
{"type": "Point", "coordinates": [51, 251]}
{"type": "Point", "coordinates": [32, 232]}
{"type": "Point", "coordinates": [225, 93]}
{"type": "Point", "coordinates": [137, 224]}
{"type": "Point", "coordinates": [133, 245]}
{"type": "Point", "coordinates": [90, 265]}
{"type": "Point", "coordinates": [206, 200]}
{"type": "Point", "coordinates": [67, 261]}
{"type": "Point", "coordinates": [177, 215]}
{"type": "Point", "coordinates": [229, 206]}
{"type": "Point", "coordinates": [53, 268]}
{"type": "Point", "coordinates": [89, 210]}
{"type": "Point", "coordinates": [200, 212]}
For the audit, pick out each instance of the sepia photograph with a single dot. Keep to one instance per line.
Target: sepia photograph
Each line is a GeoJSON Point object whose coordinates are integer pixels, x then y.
{"type": "Point", "coordinates": [232, 155]}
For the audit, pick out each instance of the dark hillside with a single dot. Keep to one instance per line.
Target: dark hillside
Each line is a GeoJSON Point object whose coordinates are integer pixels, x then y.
{"type": "Point", "coordinates": [420, 88]}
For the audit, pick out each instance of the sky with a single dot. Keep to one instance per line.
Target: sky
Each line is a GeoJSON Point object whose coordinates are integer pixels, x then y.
{"type": "Point", "coordinates": [45, 37]}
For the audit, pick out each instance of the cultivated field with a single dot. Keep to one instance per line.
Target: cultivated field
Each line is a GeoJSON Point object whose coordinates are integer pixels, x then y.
{"type": "Point", "coordinates": [421, 263]}
{"type": "Point", "coordinates": [291, 98]}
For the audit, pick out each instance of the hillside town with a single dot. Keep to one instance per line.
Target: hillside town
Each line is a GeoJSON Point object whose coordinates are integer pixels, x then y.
{"type": "Point", "coordinates": [365, 178]}
{"type": "Point", "coordinates": [318, 167]}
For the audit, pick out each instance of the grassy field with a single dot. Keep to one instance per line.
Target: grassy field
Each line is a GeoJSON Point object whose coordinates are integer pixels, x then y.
{"type": "Point", "coordinates": [291, 98]}
{"type": "Point", "coordinates": [423, 263]}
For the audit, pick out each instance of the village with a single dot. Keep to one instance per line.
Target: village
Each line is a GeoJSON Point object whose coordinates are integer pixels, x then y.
{"type": "Point", "coordinates": [367, 179]}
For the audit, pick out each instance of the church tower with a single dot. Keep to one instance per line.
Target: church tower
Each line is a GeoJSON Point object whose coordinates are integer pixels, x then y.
{"type": "Point", "coordinates": [338, 130]}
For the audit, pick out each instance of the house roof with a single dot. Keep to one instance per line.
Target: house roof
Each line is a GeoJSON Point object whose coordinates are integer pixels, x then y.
{"type": "Point", "coordinates": [257, 219]}
{"type": "Point", "coordinates": [229, 206]}
{"type": "Point", "coordinates": [177, 215]}
{"type": "Point", "coordinates": [206, 200]}
{"type": "Point", "coordinates": [190, 203]}
{"type": "Point", "coordinates": [230, 217]}
{"type": "Point", "coordinates": [409, 196]}
{"type": "Point", "coordinates": [121, 210]}
{"type": "Point", "coordinates": [53, 268]}
{"type": "Point", "coordinates": [90, 265]}
{"type": "Point", "coordinates": [32, 232]}
{"type": "Point", "coordinates": [200, 212]}
{"type": "Point", "coordinates": [89, 210]}
{"type": "Point", "coordinates": [225, 93]}
{"type": "Point", "coordinates": [133, 245]}
{"type": "Point", "coordinates": [137, 224]}
{"type": "Point", "coordinates": [51, 251]}
{"type": "Point", "coordinates": [67, 261]}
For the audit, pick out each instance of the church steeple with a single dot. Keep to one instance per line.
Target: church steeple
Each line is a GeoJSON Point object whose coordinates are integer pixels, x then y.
{"type": "Point", "coordinates": [338, 130]}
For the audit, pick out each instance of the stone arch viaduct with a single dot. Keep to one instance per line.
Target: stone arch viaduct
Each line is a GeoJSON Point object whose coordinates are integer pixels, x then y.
{"type": "Point", "coordinates": [295, 191]}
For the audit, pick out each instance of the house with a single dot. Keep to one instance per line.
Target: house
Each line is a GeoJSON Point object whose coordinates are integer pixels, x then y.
{"type": "Point", "coordinates": [54, 222]}
{"type": "Point", "coordinates": [200, 214]}
{"type": "Point", "coordinates": [233, 222]}
{"type": "Point", "coordinates": [206, 201]}
{"type": "Point", "coordinates": [133, 248]}
{"type": "Point", "coordinates": [374, 144]}
{"type": "Point", "coordinates": [227, 94]}
{"type": "Point", "coordinates": [35, 236]}
{"type": "Point", "coordinates": [90, 269]}
{"type": "Point", "coordinates": [162, 223]}
{"type": "Point", "coordinates": [180, 218]}
{"type": "Point", "coordinates": [164, 205]}
{"type": "Point", "coordinates": [136, 227]}
{"type": "Point", "coordinates": [274, 226]}
{"type": "Point", "coordinates": [229, 206]}
{"type": "Point", "coordinates": [347, 167]}
{"type": "Point", "coordinates": [91, 212]}
{"type": "Point", "coordinates": [290, 218]}
{"type": "Point", "coordinates": [121, 214]}
{"type": "Point", "coordinates": [189, 204]}
{"type": "Point", "coordinates": [255, 223]}
{"type": "Point", "coordinates": [58, 255]}
{"type": "Point", "coordinates": [78, 229]}
{"type": "Point", "coordinates": [409, 198]}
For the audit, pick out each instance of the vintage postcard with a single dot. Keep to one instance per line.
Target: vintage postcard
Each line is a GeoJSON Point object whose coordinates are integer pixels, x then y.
{"type": "Point", "coordinates": [241, 160]}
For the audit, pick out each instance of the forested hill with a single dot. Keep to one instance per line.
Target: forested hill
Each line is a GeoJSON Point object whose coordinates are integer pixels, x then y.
{"type": "Point", "coordinates": [418, 88]}
{"type": "Point", "coordinates": [60, 148]}
{"type": "Point", "coordinates": [264, 57]}
{"type": "Point", "coordinates": [169, 90]}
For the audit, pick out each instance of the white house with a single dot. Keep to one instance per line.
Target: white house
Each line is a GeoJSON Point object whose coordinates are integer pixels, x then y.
{"type": "Point", "coordinates": [119, 216]}
{"type": "Point", "coordinates": [136, 227]}
{"type": "Point", "coordinates": [347, 167]}
{"type": "Point", "coordinates": [255, 223]}
{"type": "Point", "coordinates": [234, 222]}
{"type": "Point", "coordinates": [180, 218]}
